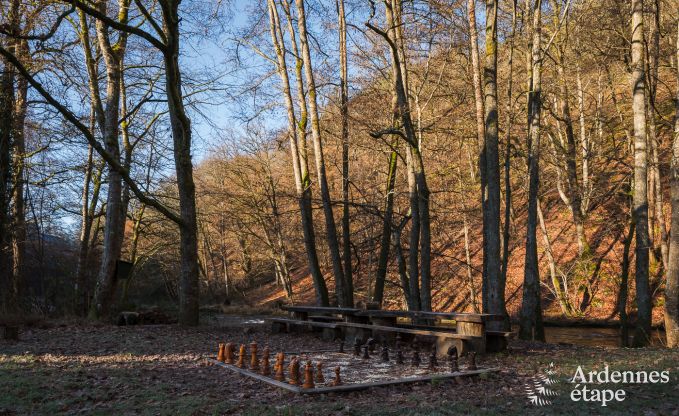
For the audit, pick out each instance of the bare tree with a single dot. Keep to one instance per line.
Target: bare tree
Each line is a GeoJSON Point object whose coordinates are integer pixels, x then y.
{"type": "Point", "coordinates": [640, 201]}
{"type": "Point", "coordinates": [531, 308]}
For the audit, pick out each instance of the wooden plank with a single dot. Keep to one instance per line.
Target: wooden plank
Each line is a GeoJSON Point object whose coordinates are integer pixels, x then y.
{"type": "Point", "coordinates": [320, 309]}
{"type": "Point", "coordinates": [305, 323]}
{"type": "Point", "coordinates": [462, 317]}
{"type": "Point", "coordinates": [409, 331]}
{"type": "Point", "coordinates": [350, 387]}
{"type": "Point", "coordinates": [406, 380]}
{"type": "Point", "coordinates": [246, 372]}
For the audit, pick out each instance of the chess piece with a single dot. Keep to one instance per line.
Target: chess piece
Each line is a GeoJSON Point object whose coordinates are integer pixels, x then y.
{"type": "Point", "coordinates": [399, 357]}
{"type": "Point", "coordinates": [337, 381]}
{"type": "Point", "coordinates": [254, 361]}
{"type": "Point", "coordinates": [228, 352]}
{"type": "Point", "coordinates": [371, 345]}
{"type": "Point", "coordinates": [433, 362]}
{"type": "Point", "coordinates": [341, 347]}
{"type": "Point", "coordinates": [241, 356]}
{"type": "Point", "coordinates": [279, 367]}
{"type": "Point", "coordinates": [319, 373]}
{"type": "Point", "coordinates": [220, 355]}
{"type": "Point", "coordinates": [266, 368]}
{"type": "Point", "coordinates": [452, 359]}
{"type": "Point", "coordinates": [385, 352]}
{"type": "Point", "coordinates": [416, 357]}
{"type": "Point", "coordinates": [357, 347]}
{"type": "Point", "coordinates": [366, 353]}
{"type": "Point", "coordinates": [308, 376]}
{"type": "Point", "coordinates": [472, 361]}
{"type": "Point", "coordinates": [293, 369]}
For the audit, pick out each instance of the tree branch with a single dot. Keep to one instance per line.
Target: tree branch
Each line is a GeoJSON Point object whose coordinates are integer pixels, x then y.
{"type": "Point", "coordinates": [68, 115]}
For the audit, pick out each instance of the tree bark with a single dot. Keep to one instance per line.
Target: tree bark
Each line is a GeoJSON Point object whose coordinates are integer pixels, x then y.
{"type": "Point", "coordinates": [383, 258]}
{"type": "Point", "coordinates": [480, 140]}
{"type": "Point", "coordinates": [531, 309]}
{"type": "Point", "coordinates": [640, 200]}
{"type": "Point", "coordinates": [181, 137]}
{"type": "Point", "coordinates": [672, 284]}
{"type": "Point", "coordinates": [494, 285]}
{"type": "Point", "coordinates": [115, 225]}
{"type": "Point", "coordinates": [297, 131]}
{"type": "Point", "coordinates": [341, 290]}
{"type": "Point", "coordinates": [344, 112]}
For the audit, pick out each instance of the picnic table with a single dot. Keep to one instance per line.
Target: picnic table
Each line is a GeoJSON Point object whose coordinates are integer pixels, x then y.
{"type": "Point", "coordinates": [470, 332]}
{"type": "Point", "coordinates": [320, 313]}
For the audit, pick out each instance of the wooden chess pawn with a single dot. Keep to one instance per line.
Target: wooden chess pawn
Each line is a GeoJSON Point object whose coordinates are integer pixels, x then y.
{"type": "Point", "coordinates": [319, 373]}
{"type": "Point", "coordinates": [371, 345]}
{"type": "Point", "coordinates": [452, 359]}
{"type": "Point", "coordinates": [472, 361]}
{"type": "Point", "coordinates": [220, 355]}
{"type": "Point", "coordinates": [416, 359]}
{"type": "Point", "coordinates": [293, 369]}
{"type": "Point", "coordinates": [229, 350]}
{"type": "Point", "coordinates": [399, 357]}
{"type": "Point", "coordinates": [385, 352]}
{"type": "Point", "coordinates": [254, 361]}
{"type": "Point", "coordinates": [266, 368]}
{"type": "Point", "coordinates": [279, 367]}
{"type": "Point", "coordinates": [357, 347]}
{"type": "Point", "coordinates": [433, 362]}
{"type": "Point", "coordinates": [241, 356]}
{"type": "Point", "coordinates": [308, 376]}
{"type": "Point", "coordinates": [337, 381]}
{"type": "Point", "coordinates": [366, 353]}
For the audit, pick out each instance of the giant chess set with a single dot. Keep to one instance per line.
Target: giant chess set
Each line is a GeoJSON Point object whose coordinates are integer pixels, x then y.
{"type": "Point", "coordinates": [361, 366]}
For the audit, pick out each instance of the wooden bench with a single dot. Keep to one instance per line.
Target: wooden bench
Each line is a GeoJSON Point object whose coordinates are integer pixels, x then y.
{"type": "Point", "coordinates": [325, 318]}
{"type": "Point", "coordinates": [330, 330]}
{"type": "Point", "coordinates": [443, 339]}
{"type": "Point", "coordinates": [303, 312]}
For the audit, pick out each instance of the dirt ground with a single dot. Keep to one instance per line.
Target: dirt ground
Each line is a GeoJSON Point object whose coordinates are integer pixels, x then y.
{"type": "Point", "coordinates": [81, 368]}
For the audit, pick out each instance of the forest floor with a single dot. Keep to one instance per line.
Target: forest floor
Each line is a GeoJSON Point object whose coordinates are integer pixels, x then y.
{"type": "Point", "coordinates": [81, 368]}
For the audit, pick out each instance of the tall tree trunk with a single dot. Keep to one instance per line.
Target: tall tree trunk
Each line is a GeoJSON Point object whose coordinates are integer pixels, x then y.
{"type": "Point", "coordinates": [480, 140]}
{"type": "Point", "coordinates": [508, 150]}
{"type": "Point", "coordinates": [531, 309]}
{"type": "Point", "coordinates": [672, 285]}
{"type": "Point", "coordinates": [344, 111]}
{"type": "Point", "coordinates": [640, 201]}
{"type": "Point", "coordinates": [19, 153]}
{"type": "Point", "coordinates": [331, 229]}
{"type": "Point", "coordinates": [8, 297]}
{"type": "Point", "coordinates": [495, 286]}
{"type": "Point", "coordinates": [383, 258]}
{"type": "Point", "coordinates": [181, 136]}
{"type": "Point", "coordinates": [297, 134]}
{"type": "Point", "coordinates": [624, 287]}
{"type": "Point", "coordinates": [6, 106]}
{"type": "Point", "coordinates": [115, 225]}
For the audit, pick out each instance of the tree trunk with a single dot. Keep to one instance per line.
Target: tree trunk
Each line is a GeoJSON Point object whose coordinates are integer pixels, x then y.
{"type": "Point", "coordinates": [480, 140]}
{"type": "Point", "coordinates": [531, 309]}
{"type": "Point", "coordinates": [672, 285]}
{"type": "Point", "coordinates": [624, 287]}
{"type": "Point", "coordinates": [297, 130]}
{"type": "Point", "coordinates": [640, 201]}
{"type": "Point", "coordinates": [341, 290]}
{"type": "Point", "coordinates": [383, 258]}
{"type": "Point", "coordinates": [344, 111]}
{"type": "Point", "coordinates": [181, 137]}
{"type": "Point", "coordinates": [19, 152]}
{"type": "Point", "coordinates": [115, 225]}
{"type": "Point", "coordinates": [495, 285]}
